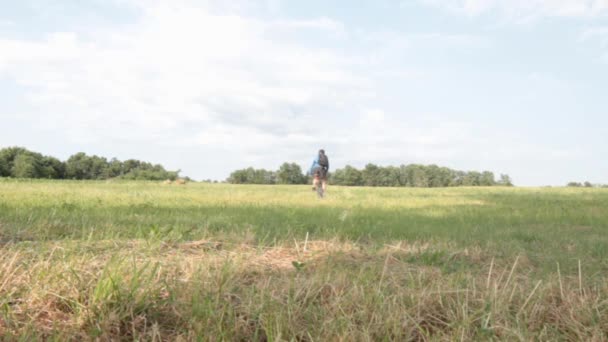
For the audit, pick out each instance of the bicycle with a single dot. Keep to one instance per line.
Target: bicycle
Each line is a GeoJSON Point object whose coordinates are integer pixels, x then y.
{"type": "Point", "coordinates": [320, 177]}
{"type": "Point", "coordinates": [320, 192]}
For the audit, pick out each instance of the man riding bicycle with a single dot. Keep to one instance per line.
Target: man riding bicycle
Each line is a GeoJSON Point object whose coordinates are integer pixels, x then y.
{"type": "Point", "coordinates": [319, 169]}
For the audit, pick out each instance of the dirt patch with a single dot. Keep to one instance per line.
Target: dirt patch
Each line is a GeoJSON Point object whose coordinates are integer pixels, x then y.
{"type": "Point", "coordinates": [582, 228]}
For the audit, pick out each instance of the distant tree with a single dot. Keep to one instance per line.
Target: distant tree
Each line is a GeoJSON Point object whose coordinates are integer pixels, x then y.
{"type": "Point", "coordinates": [389, 176]}
{"type": "Point", "coordinates": [457, 178]}
{"type": "Point", "coordinates": [588, 185]}
{"type": "Point", "coordinates": [505, 180]}
{"type": "Point", "coordinates": [487, 179]}
{"type": "Point", "coordinates": [130, 164]}
{"type": "Point", "coordinates": [142, 174]}
{"type": "Point", "coordinates": [371, 175]}
{"type": "Point", "coordinates": [270, 177]}
{"type": "Point", "coordinates": [5, 168]}
{"type": "Point", "coordinates": [348, 176]}
{"type": "Point", "coordinates": [26, 165]}
{"type": "Point", "coordinates": [290, 173]}
{"type": "Point", "coordinates": [432, 175]}
{"type": "Point", "coordinates": [438, 176]}
{"type": "Point", "coordinates": [19, 162]}
{"type": "Point", "coordinates": [238, 177]}
{"type": "Point", "coordinates": [75, 167]}
{"type": "Point", "coordinates": [472, 178]}
{"type": "Point", "coordinates": [113, 169]}
{"type": "Point", "coordinates": [78, 166]}
{"type": "Point", "coordinates": [7, 159]}
{"type": "Point", "coordinates": [444, 177]}
{"type": "Point", "coordinates": [413, 175]}
{"type": "Point", "coordinates": [98, 166]}
{"type": "Point", "coordinates": [575, 184]}
{"type": "Point", "coordinates": [420, 178]}
{"type": "Point", "coordinates": [52, 168]}
{"type": "Point", "coordinates": [252, 176]}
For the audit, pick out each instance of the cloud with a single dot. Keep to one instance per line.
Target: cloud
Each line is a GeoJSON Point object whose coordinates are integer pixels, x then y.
{"type": "Point", "coordinates": [203, 77]}
{"type": "Point", "coordinates": [323, 23]}
{"type": "Point", "coordinates": [179, 64]}
{"type": "Point", "coordinates": [524, 9]}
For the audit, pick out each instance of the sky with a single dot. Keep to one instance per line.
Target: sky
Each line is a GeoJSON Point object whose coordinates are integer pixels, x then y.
{"type": "Point", "coordinates": [518, 87]}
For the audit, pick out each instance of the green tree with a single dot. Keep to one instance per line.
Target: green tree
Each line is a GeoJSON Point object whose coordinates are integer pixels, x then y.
{"type": "Point", "coordinates": [98, 166]}
{"type": "Point", "coordinates": [413, 175]}
{"type": "Point", "coordinates": [371, 175]}
{"type": "Point", "coordinates": [420, 178]}
{"type": "Point", "coordinates": [143, 174]}
{"type": "Point", "coordinates": [131, 164]}
{"type": "Point", "coordinates": [290, 173]}
{"type": "Point", "coordinates": [238, 177]}
{"type": "Point", "coordinates": [81, 166]}
{"type": "Point", "coordinates": [446, 176]}
{"type": "Point", "coordinates": [389, 176]}
{"type": "Point", "coordinates": [30, 164]}
{"type": "Point", "coordinates": [487, 179]}
{"type": "Point", "coordinates": [505, 180]}
{"type": "Point", "coordinates": [26, 165]}
{"type": "Point", "coordinates": [5, 169]}
{"type": "Point", "coordinates": [252, 176]}
{"type": "Point", "coordinates": [78, 166]}
{"type": "Point", "coordinates": [52, 168]}
{"type": "Point", "coordinates": [458, 178]}
{"type": "Point", "coordinates": [114, 169]}
{"type": "Point", "coordinates": [472, 178]}
{"type": "Point", "coordinates": [7, 159]}
{"type": "Point", "coordinates": [348, 176]}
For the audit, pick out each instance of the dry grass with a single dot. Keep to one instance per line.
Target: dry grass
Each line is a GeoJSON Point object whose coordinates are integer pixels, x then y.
{"type": "Point", "coordinates": [308, 290]}
{"type": "Point", "coordinates": [110, 261]}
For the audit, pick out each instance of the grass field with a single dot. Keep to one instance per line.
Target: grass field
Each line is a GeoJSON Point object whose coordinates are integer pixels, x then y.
{"type": "Point", "coordinates": [149, 261]}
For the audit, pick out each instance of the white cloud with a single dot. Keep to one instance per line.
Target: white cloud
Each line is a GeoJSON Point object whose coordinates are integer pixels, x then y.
{"type": "Point", "coordinates": [178, 64]}
{"type": "Point", "coordinates": [323, 23]}
{"type": "Point", "coordinates": [187, 76]}
{"type": "Point", "coordinates": [372, 117]}
{"type": "Point", "coordinates": [525, 9]}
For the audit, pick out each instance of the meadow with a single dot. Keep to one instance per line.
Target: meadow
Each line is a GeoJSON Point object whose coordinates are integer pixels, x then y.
{"type": "Point", "coordinates": [119, 260]}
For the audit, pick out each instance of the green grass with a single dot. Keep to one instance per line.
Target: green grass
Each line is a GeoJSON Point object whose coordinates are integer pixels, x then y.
{"type": "Point", "coordinates": [145, 261]}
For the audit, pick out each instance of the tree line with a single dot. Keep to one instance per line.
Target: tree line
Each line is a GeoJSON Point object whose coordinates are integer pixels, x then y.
{"type": "Point", "coordinates": [19, 162]}
{"type": "Point", "coordinates": [586, 185]}
{"type": "Point", "coordinates": [288, 173]}
{"type": "Point", "coordinates": [413, 175]}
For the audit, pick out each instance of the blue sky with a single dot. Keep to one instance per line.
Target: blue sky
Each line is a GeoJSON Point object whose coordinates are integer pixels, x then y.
{"type": "Point", "coordinates": [514, 87]}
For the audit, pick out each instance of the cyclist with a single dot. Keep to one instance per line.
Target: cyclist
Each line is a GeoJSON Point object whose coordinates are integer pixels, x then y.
{"type": "Point", "coordinates": [319, 169]}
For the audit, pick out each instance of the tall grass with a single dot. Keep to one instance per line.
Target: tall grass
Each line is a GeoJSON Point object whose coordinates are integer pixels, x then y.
{"type": "Point", "coordinates": [146, 261]}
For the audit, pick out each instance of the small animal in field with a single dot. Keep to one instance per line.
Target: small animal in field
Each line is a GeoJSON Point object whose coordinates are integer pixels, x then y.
{"type": "Point", "coordinates": [168, 181]}
{"type": "Point", "coordinates": [180, 181]}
